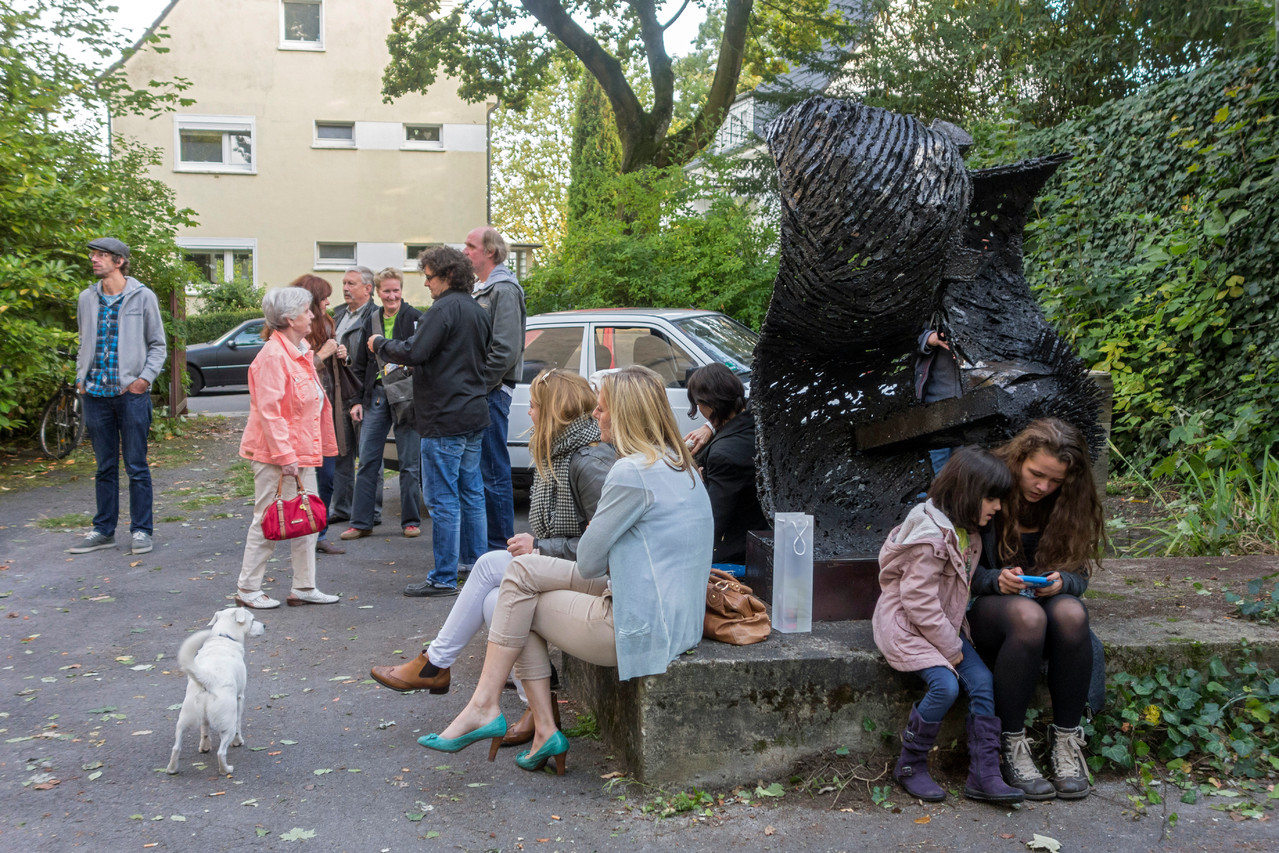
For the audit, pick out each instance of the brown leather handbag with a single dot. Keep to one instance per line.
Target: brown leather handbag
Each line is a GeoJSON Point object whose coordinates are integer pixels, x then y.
{"type": "Point", "coordinates": [733, 614]}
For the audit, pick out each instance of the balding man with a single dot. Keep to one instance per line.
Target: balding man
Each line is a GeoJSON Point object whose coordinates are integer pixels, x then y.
{"type": "Point", "coordinates": [501, 295]}
{"type": "Point", "coordinates": [351, 320]}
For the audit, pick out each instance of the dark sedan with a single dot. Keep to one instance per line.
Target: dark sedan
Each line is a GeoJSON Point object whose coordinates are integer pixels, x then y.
{"type": "Point", "coordinates": [224, 361]}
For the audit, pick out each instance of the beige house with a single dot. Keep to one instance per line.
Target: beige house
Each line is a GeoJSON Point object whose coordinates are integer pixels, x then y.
{"type": "Point", "coordinates": [290, 158]}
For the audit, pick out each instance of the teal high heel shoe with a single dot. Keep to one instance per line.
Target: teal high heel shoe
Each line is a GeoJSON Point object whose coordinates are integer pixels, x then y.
{"type": "Point", "coordinates": [495, 729]}
{"type": "Point", "coordinates": [556, 747]}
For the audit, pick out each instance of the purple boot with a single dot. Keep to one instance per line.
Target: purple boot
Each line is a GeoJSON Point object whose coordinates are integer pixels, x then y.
{"type": "Point", "coordinates": [984, 780]}
{"type": "Point", "coordinates": [911, 771]}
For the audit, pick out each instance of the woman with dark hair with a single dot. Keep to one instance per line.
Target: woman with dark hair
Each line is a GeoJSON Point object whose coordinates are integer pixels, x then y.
{"type": "Point", "coordinates": [334, 381]}
{"type": "Point", "coordinates": [728, 459]}
{"type": "Point", "coordinates": [1051, 526]}
{"type": "Point", "coordinates": [290, 431]}
{"type": "Point", "coordinates": [450, 412]}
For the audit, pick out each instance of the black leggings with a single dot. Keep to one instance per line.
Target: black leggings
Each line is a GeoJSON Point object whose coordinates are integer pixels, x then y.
{"type": "Point", "coordinates": [1015, 635]}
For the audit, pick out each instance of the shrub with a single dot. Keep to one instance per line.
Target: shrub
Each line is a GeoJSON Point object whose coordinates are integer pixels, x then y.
{"type": "Point", "coordinates": [208, 327]}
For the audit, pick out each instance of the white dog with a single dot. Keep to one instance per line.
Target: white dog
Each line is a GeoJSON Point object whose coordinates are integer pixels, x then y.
{"type": "Point", "coordinates": [213, 660]}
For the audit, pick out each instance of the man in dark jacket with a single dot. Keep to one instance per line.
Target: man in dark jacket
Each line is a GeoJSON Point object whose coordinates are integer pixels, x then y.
{"type": "Point", "coordinates": [396, 321]}
{"type": "Point", "coordinates": [448, 353]}
{"type": "Point", "coordinates": [501, 295]}
{"type": "Point", "coordinates": [349, 322]}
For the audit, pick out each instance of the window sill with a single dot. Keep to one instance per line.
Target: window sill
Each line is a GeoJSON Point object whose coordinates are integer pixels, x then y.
{"type": "Point", "coordinates": [349, 146]}
{"type": "Point", "coordinates": [312, 46]}
{"type": "Point", "coordinates": [410, 147]}
{"type": "Point", "coordinates": [213, 170]}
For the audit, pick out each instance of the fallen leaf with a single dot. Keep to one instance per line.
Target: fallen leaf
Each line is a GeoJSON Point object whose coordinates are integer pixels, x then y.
{"type": "Point", "coordinates": [262, 832]}
{"type": "Point", "coordinates": [46, 786]}
{"type": "Point", "coordinates": [1006, 835]}
{"type": "Point", "coordinates": [616, 774]}
{"type": "Point", "coordinates": [1043, 842]}
{"type": "Point", "coordinates": [135, 564]}
{"type": "Point", "coordinates": [297, 833]}
{"type": "Point", "coordinates": [432, 834]}
{"type": "Point", "coordinates": [178, 817]}
{"type": "Point", "coordinates": [924, 819]}
{"type": "Point", "coordinates": [770, 830]}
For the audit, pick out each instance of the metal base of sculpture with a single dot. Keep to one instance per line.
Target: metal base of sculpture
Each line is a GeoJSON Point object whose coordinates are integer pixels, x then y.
{"type": "Point", "coordinates": [883, 227]}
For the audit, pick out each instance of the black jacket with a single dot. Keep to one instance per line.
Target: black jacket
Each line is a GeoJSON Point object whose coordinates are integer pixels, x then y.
{"type": "Point", "coordinates": [448, 353]}
{"type": "Point", "coordinates": [728, 468]}
{"type": "Point", "coordinates": [363, 364]}
{"type": "Point", "coordinates": [986, 577]}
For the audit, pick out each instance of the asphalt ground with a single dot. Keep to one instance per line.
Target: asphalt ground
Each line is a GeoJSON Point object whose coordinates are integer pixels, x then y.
{"type": "Point", "coordinates": [90, 691]}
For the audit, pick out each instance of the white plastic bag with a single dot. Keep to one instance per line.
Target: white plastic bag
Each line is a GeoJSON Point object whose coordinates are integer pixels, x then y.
{"type": "Point", "coordinates": [792, 572]}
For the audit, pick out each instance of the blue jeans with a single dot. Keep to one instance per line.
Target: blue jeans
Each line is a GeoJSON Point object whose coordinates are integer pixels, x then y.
{"type": "Point", "coordinates": [379, 420]}
{"type": "Point", "coordinates": [120, 425]}
{"type": "Point", "coordinates": [939, 457]}
{"type": "Point", "coordinates": [499, 496]}
{"type": "Point", "coordinates": [943, 687]}
{"type": "Point", "coordinates": [339, 503]}
{"type": "Point", "coordinates": [455, 498]}
{"type": "Point", "coordinates": [324, 487]}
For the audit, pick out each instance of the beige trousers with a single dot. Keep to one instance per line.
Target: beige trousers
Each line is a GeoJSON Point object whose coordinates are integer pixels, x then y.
{"type": "Point", "coordinates": [545, 599]}
{"type": "Point", "coordinates": [258, 549]}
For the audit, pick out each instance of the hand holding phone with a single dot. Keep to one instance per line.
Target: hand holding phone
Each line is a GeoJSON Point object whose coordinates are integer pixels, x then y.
{"type": "Point", "coordinates": [1035, 581]}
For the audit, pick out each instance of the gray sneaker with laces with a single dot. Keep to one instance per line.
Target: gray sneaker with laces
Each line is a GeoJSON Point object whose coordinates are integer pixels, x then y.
{"type": "Point", "coordinates": [141, 542]}
{"type": "Point", "coordinates": [95, 541]}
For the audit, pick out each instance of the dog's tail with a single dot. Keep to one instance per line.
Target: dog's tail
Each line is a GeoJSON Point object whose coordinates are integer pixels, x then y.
{"type": "Point", "coordinates": [186, 655]}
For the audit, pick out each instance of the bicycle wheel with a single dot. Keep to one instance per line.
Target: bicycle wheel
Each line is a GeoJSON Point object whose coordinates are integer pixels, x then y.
{"type": "Point", "coordinates": [62, 425]}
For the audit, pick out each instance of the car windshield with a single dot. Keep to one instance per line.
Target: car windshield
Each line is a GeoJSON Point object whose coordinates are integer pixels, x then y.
{"type": "Point", "coordinates": [727, 340]}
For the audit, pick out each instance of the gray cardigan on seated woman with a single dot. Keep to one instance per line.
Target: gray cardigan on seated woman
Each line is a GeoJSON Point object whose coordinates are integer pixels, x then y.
{"type": "Point", "coordinates": [652, 534]}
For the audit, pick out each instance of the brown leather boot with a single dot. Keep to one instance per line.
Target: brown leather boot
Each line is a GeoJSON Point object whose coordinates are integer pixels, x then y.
{"type": "Point", "coordinates": [522, 732]}
{"type": "Point", "coordinates": [417, 674]}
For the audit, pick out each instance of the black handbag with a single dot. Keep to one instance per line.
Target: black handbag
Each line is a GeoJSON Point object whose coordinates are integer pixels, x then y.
{"type": "Point", "coordinates": [397, 384]}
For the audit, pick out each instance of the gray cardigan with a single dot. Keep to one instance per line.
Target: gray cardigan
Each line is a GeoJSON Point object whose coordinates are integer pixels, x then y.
{"type": "Point", "coordinates": [652, 535]}
{"type": "Point", "coordinates": [142, 347]}
{"type": "Point", "coordinates": [587, 470]}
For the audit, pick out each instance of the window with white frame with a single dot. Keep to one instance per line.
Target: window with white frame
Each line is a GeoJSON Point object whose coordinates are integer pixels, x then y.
{"type": "Point", "coordinates": [213, 144]}
{"type": "Point", "coordinates": [221, 261]}
{"type": "Point", "coordinates": [412, 250]}
{"type": "Point", "coordinates": [425, 137]}
{"type": "Point", "coordinates": [334, 256]}
{"type": "Point", "coordinates": [334, 134]}
{"type": "Point", "coordinates": [302, 24]}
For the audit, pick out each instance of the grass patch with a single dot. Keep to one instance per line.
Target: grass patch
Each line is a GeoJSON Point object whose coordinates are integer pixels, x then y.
{"type": "Point", "coordinates": [172, 518]}
{"type": "Point", "coordinates": [587, 727]}
{"type": "Point", "coordinates": [74, 519]}
{"type": "Point", "coordinates": [201, 501]}
{"type": "Point", "coordinates": [240, 479]}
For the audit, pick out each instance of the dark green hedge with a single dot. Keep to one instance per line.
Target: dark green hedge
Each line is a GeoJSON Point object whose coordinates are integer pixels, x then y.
{"type": "Point", "coordinates": [201, 328]}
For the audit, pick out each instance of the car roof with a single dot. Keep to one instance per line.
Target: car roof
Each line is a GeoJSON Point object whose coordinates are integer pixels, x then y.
{"type": "Point", "coordinates": [589, 314]}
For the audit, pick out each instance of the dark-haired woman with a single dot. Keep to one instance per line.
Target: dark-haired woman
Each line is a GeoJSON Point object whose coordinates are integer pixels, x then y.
{"type": "Point", "coordinates": [925, 568]}
{"type": "Point", "coordinates": [1051, 526]}
{"type": "Point", "coordinates": [728, 459]}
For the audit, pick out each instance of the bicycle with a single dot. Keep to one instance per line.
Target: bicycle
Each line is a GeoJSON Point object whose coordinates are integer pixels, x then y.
{"type": "Point", "coordinates": [62, 424]}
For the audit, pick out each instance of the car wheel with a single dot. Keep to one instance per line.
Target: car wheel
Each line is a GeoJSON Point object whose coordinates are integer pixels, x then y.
{"type": "Point", "coordinates": [197, 380]}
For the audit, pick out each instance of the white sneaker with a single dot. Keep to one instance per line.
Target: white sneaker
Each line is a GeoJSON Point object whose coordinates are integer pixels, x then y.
{"type": "Point", "coordinates": [299, 597]}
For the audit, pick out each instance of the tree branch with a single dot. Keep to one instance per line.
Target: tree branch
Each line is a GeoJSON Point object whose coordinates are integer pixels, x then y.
{"type": "Point", "coordinates": [675, 17]}
{"type": "Point", "coordinates": [659, 67]}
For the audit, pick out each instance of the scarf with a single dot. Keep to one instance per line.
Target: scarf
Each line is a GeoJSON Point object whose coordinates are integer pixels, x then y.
{"type": "Point", "coordinates": [552, 510]}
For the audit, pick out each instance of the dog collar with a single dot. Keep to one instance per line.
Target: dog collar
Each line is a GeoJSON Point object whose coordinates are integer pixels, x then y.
{"type": "Point", "coordinates": [226, 636]}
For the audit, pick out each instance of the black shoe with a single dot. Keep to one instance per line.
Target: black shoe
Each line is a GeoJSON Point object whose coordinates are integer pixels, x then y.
{"type": "Point", "coordinates": [338, 519]}
{"type": "Point", "coordinates": [324, 546]}
{"type": "Point", "coordinates": [428, 588]}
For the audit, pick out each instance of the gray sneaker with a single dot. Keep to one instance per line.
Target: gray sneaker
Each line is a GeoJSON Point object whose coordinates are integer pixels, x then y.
{"type": "Point", "coordinates": [141, 542]}
{"type": "Point", "coordinates": [95, 541]}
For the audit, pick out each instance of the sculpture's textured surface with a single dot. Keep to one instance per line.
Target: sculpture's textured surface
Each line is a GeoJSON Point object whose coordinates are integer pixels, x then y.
{"type": "Point", "coordinates": [882, 228]}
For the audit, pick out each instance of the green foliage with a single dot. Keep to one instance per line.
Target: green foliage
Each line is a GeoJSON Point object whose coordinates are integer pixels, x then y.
{"type": "Point", "coordinates": [1257, 603]}
{"type": "Point", "coordinates": [668, 805]}
{"type": "Point", "coordinates": [1154, 251]}
{"type": "Point", "coordinates": [59, 189]}
{"type": "Point", "coordinates": [1224, 721]}
{"type": "Point", "coordinates": [202, 328]}
{"type": "Point", "coordinates": [967, 60]}
{"type": "Point", "coordinates": [236, 295]}
{"type": "Point", "coordinates": [666, 253]}
{"type": "Point", "coordinates": [596, 157]}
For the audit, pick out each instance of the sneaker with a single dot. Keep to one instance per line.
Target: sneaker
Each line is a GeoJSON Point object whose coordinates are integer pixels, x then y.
{"type": "Point", "coordinates": [355, 533]}
{"type": "Point", "coordinates": [299, 597]}
{"type": "Point", "coordinates": [429, 588]}
{"type": "Point", "coordinates": [141, 543]}
{"type": "Point", "coordinates": [464, 569]}
{"type": "Point", "coordinates": [95, 541]}
{"type": "Point", "coordinates": [412, 531]}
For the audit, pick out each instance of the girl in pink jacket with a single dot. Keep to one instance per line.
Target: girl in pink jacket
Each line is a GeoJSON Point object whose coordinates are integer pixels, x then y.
{"type": "Point", "coordinates": [925, 569]}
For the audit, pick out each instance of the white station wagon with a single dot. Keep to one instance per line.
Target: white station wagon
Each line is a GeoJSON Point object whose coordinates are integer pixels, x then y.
{"type": "Point", "coordinates": [671, 341]}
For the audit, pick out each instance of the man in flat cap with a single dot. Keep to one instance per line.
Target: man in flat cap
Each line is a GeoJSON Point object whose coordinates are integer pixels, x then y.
{"type": "Point", "coordinates": [122, 351]}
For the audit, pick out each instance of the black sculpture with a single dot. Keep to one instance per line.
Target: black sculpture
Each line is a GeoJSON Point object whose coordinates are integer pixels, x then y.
{"type": "Point", "coordinates": [883, 227]}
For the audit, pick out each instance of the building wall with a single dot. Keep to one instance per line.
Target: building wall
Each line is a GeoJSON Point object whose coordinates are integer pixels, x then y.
{"type": "Point", "coordinates": [377, 194]}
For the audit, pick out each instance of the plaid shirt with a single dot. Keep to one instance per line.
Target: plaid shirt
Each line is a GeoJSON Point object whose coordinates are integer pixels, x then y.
{"type": "Point", "coordinates": [104, 373]}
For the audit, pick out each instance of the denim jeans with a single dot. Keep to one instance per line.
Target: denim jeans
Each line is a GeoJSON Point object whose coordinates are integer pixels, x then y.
{"type": "Point", "coordinates": [120, 425]}
{"type": "Point", "coordinates": [379, 420]}
{"type": "Point", "coordinates": [939, 457]}
{"type": "Point", "coordinates": [499, 497]}
{"type": "Point", "coordinates": [943, 687]}
{"type": "Point", "coordinates": [455, 498]}
{"type": "Point", "coordinates": [324, 487]}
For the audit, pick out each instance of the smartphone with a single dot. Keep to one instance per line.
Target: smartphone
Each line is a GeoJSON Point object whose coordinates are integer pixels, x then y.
{"type": "Point", "coordinates": [1035, 580]}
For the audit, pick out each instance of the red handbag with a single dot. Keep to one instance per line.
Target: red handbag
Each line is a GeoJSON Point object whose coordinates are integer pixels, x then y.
{"type": "Point", "coordinates": [298, 516]}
